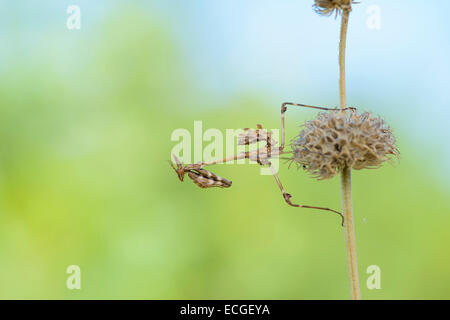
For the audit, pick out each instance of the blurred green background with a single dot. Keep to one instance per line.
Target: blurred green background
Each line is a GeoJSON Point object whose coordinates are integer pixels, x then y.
{"type": "Point", "coordinates": [86, 118]}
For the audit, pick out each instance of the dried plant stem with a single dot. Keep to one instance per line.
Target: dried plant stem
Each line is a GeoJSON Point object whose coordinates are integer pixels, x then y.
{"type": "Point", "coordinates": [346, 176]}
{"type": "Point", "coordinates": [349, 230]}
{"type": "Point", "coordinates": [342, 43]}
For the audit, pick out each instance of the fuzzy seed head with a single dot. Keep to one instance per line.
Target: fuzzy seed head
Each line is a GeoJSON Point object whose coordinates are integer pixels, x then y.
{"type": "Point", "coordinates": [338, 139]}
{"type": "Point", "coordinates": [327, 7]}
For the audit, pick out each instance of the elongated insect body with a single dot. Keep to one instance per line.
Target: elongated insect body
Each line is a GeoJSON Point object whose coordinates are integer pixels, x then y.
{"type": "Point", "coordinates": [201, 177]}
{"type": "Point", "coordinates": [206, 179]}
{"type": "Point", "coordinates": [262, 155]}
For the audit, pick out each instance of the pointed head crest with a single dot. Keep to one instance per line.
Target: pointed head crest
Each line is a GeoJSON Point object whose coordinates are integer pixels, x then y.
{"type": "Point", "coordinates": [179, 168]}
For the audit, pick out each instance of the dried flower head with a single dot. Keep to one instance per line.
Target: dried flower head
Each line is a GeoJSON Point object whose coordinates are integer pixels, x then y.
{"type": "Point", "coordinates": [327, 7]}
{"type": "Point", "coordinates": [337, 139]}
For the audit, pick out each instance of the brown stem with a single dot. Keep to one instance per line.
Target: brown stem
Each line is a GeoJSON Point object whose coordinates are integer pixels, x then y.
{"type": "Point", "coordinates": [349, 230]}
{"type": "Point", "coordinates": [346, 176]}
{"type": "Point", "coordinates": [344, 27]}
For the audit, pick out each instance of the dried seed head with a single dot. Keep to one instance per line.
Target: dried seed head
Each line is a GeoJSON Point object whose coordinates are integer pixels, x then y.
{"type": "Point", "coordinates": [338, 139]}
{"type": "Point", "coordinates": [327, 7]}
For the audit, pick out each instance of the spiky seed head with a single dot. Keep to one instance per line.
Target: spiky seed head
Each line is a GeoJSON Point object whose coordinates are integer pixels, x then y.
{"type": "Point", "coordinates": [338, 139]}
{"type": "Point", "coordinates": [327, 7]}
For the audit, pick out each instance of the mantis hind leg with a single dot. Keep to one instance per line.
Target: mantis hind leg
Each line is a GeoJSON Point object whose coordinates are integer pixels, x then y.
{"type": "Point", "coordinates": [287, 197]}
